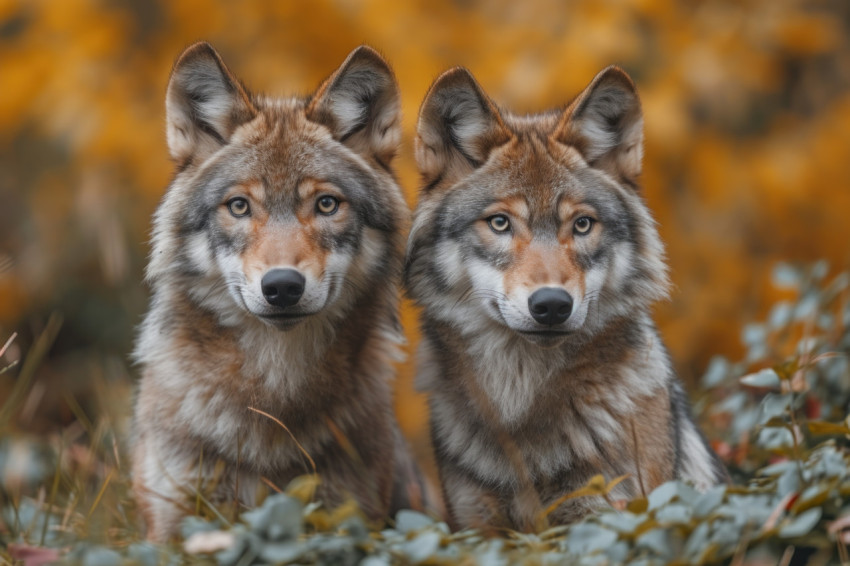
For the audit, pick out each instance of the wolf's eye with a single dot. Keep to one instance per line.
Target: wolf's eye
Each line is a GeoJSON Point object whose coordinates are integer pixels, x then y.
{"type": "Point", "coordinates": [583, 225]}
{"type": "Point", "coordinates": [238, 207]}
{"type": "Point", "coordinates": [499, 223]}
{"type": "Point", "coordinates": [327, 205]}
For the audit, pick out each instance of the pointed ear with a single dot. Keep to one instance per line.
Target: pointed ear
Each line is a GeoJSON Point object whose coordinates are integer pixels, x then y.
{"type": "Point", "coordinates": [204, 104]}
{"type": "Point", "coordinates": [605, 124]}
{"type": "Point", "coordinates": [360, 105]}
{"type": "Point", "coordinates": [458, 127]}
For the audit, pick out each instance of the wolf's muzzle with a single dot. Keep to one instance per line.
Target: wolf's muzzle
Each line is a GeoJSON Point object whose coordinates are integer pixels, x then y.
{"type": "Point", "coordinates": [550, 305]}
{"type": "Point", "coordinates": [282, 287]}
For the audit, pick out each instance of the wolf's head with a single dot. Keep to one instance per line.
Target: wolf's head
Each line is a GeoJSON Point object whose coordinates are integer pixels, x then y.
{"type": "Point", "coordinates": [280, 208]}
{"type": "Point", "coordinates": [533, 223]}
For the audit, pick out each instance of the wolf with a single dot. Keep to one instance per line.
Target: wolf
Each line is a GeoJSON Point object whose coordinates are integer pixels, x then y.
{"type": "Point", "coordinates": [535, 261]}
{"type": "Point", "coordinates": [276, 258]}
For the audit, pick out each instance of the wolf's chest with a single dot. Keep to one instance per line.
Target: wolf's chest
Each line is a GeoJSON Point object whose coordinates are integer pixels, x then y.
{"type": "Point", "coordinates": [549, 445]}
{"type": "Point", "coordinates": [257, 423]}
{"type": "Point", "coordinates": [509, 382]}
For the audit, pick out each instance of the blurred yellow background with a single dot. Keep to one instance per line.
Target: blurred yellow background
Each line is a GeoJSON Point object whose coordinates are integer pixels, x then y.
{"type": "Point", "coordinates": [747, 158]}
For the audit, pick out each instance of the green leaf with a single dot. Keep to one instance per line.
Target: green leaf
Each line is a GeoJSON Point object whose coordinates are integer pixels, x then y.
{"type": "Point", "coordinates": [780, 315]}
{"type": "Point", "coordinates": [820, 269]}
{"type": "Point", "coordinates": [491, 555]}
{"type": "Point", "coordinates": [801, 524]}
{"type": "Point", "coordinates": [778, 468]}
{"type": "Point", "coordinates": [662, 494]}
{"type": "Point", "coordinates": [731, 404]}
{"type": "Point", "coordinates": [763, 378]}
{"type": "Point", "coordinates": [192, 524]}
{"type": "Point", "coordinates": [716, 372]}
{"type": "Point", "coordinates": [807, 307]}
{"type": "Point", "coordinates": [622, 522]}
{"type": "Point", "coordinates": [789, 481]}
{"type": "Point", "coordinates": [423, 546]}
{"type": "Point", "coordinates": [775, 438]}
{"type": "Point", "coordinates": [407, 521]}
{"type": "Point", "coordinates": [143, 554]}
{"type": "Point", "coordinates": [709, 501]}
{"type": "Point", "coordinates": [284, 518]}
{"type": "Point", "coordinates": [813, 496]}
{"type": "Point", "coordinates": [615, 553]}
{"type": "Point", "coordinates": [786, 276]}
{"type": "Point", "coordinates": [587, 538]}
{"type": "Point", "coordinates": [774, 405]}
{"type": "Point", "coordinates": [657, 540]}
{"type": "Point", "coordinates": [753, 334]}
{"type": "Point", "coordinates": [674, 513]}
{"type": "Point", "coordinates": [698, 541]}
{"type": "Point", "coordinates": [234, 554]}
{"type": "Point", "coordinates": [281, 552]}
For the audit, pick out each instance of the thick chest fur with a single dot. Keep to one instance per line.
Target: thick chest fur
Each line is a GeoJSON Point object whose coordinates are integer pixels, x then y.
{"type": "Point", "coordinates": [553, 417]}
{"type": "Point", "coordinates": [205, 387]}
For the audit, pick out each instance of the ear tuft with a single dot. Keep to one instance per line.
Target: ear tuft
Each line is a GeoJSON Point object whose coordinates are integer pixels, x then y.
{"type": "Point", "coordinates": [360, 105]}
{"type": "Point", "coordinates": [204, 104]}
{"type": "Point", "coordinates": [605, 123]}
{"type": "Point", "coordinates": [458, 127]}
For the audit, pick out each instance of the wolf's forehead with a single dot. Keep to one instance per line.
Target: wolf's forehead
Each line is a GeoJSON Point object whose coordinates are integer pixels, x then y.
{"type": "Point", "coordinates": [529, 181]}
{"type": "Point", "coordinates": [281, 133]}
{"type": "Point", "coordinates": [281, 146]}
{"type": "Point", "coordinates": [527, 171]}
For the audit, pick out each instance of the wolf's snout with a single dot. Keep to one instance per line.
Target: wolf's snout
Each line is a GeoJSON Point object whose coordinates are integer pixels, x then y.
{"type": "Point", "coordinates": [550, 305]}
{"type": "Point", "coordinates": [282, 287]}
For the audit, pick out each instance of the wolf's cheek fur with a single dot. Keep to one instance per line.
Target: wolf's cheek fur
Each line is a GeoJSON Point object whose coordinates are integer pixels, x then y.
{"type": "Point", "coordinates": [488, 290]}
{"type": "Point", "coordinates": [198, 253]}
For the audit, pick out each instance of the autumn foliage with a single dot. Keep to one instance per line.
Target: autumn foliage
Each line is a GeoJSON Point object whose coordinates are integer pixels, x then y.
{"type": "Point", "coordinates": [747, 117]}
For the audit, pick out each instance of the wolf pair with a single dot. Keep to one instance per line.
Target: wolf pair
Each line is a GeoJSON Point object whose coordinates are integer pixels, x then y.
{"type": "Point", "coordinates": [267, 350]}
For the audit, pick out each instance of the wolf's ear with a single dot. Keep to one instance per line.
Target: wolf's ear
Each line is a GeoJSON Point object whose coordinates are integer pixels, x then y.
{"type": "Point", "coordinates": [360, 105]}
{"type": "Point", "coordinates": [204, 104]}
{"type": "Point", "coordinates": [458, 127]}
{"type": "Point", "coordinates": [605, 124]}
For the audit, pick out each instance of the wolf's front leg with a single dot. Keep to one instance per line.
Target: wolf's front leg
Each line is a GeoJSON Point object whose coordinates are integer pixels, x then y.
{"type": "Point", "coordinates": [469, 504]}
{"type": "Point", "coordinates": [360, 467]}
{"type": "Point", "coordinates": [161, 481]}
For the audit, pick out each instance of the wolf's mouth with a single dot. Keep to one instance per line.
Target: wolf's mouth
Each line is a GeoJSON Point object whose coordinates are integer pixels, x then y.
{"type": "Point", "coordinates": [283, 321]}
{"type": "Point", "coordinates": [546, 332]}
{"type": "Point", "coordinates": [285, 315]}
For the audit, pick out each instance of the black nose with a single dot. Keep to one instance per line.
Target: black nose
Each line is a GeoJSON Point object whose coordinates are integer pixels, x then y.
{"type": "Point", "coordinates": [282, 287]}
{"type": "Point", "coordinates": [550, 305]}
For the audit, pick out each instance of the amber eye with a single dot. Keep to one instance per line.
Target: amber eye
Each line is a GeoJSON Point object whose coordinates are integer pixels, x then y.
{"type": "Point", "coordinates": [583, 225]}
{"type": "Point", "coordinates": [499, 223]}
{"type": "Point", "coordinates": [238, 207]}
{"type": "Point", "coordinates": [327, 205]}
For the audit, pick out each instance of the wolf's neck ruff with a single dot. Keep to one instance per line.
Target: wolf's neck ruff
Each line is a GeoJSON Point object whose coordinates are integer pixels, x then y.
{"type": "Point", "coordinates": [498, 368]}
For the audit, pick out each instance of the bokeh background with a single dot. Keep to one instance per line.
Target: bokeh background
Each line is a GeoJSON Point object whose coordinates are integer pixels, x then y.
{"type": "Point", "coordinates": [747, 148]}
